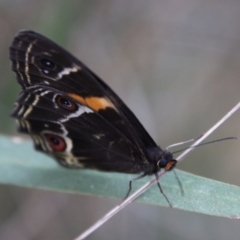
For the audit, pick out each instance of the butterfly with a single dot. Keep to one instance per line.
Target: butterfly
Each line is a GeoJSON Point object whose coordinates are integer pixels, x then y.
{"type": "Point", "coordinates": [73, 116]}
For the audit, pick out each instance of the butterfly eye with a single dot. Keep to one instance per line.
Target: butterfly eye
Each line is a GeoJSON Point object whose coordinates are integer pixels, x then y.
{"type": "Point", "coordinates": [162, 163]}
{"type": "Point", "coordinates": [56, 143]}
{"type": "Point", "coordinates": [65, 103]}
{"type": "Point", "coordinates": [47, 63]}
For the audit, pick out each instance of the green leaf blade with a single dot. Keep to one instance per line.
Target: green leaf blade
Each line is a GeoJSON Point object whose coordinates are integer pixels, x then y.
{"type": "Point", "coordinates": [21, 165]}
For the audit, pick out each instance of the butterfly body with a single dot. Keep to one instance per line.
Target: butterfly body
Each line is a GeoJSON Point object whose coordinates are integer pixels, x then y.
{"type": "Point", "coordinates": [72, 115]}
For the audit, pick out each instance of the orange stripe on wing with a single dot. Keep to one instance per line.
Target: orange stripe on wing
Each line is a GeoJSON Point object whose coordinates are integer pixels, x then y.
{"type": "Point", "coordinates": [95, 103]}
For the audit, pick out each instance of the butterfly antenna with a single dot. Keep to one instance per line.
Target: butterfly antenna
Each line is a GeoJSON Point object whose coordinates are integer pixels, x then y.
{"type": "Point", "coordinates": [180, 143]}
{"type": "Point", "coordinates": [214, 141]}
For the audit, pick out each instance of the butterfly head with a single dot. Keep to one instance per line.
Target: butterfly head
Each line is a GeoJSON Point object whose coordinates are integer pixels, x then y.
{"type": "Point", "coordinates": [161, 159]}
{"type": "Point", "coordinates": [166, 161]}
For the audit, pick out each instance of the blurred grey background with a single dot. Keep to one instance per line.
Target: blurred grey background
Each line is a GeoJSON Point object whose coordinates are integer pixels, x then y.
{"type": "Point", "coordinates": [176, 64]}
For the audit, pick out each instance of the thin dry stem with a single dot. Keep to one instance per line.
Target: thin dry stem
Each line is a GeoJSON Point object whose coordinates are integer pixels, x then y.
{"type": "Point", "coordinates": [141, 190]}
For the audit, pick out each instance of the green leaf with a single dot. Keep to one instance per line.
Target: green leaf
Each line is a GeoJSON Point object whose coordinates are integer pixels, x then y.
{"type": "Point", "coordinates": [20, 165]}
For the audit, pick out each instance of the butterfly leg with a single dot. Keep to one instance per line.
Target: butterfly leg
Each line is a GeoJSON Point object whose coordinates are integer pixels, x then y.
{"type": "Point", "coordinates": [179, 182]}
{"type": "Point", "coordinates": [161, 191]}
{"type": "Point", "coordinates": [132, 180]}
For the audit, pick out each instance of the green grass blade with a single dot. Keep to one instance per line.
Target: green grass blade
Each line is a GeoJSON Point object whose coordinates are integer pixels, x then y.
{"type": "Point", "coordinates": [20, 165]}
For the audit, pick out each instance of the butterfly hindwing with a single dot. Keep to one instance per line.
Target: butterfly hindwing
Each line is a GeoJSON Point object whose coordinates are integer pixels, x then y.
{"type": "Point", "coordinates": [86, 139]}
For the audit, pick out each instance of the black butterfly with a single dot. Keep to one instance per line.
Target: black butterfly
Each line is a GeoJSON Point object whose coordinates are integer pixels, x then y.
{"type": "Point", "coordinates": [72, 115]}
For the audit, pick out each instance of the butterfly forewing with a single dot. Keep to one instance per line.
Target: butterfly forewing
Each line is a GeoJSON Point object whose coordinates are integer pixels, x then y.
{"type": "Point", "coordinates": [38, 60]}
